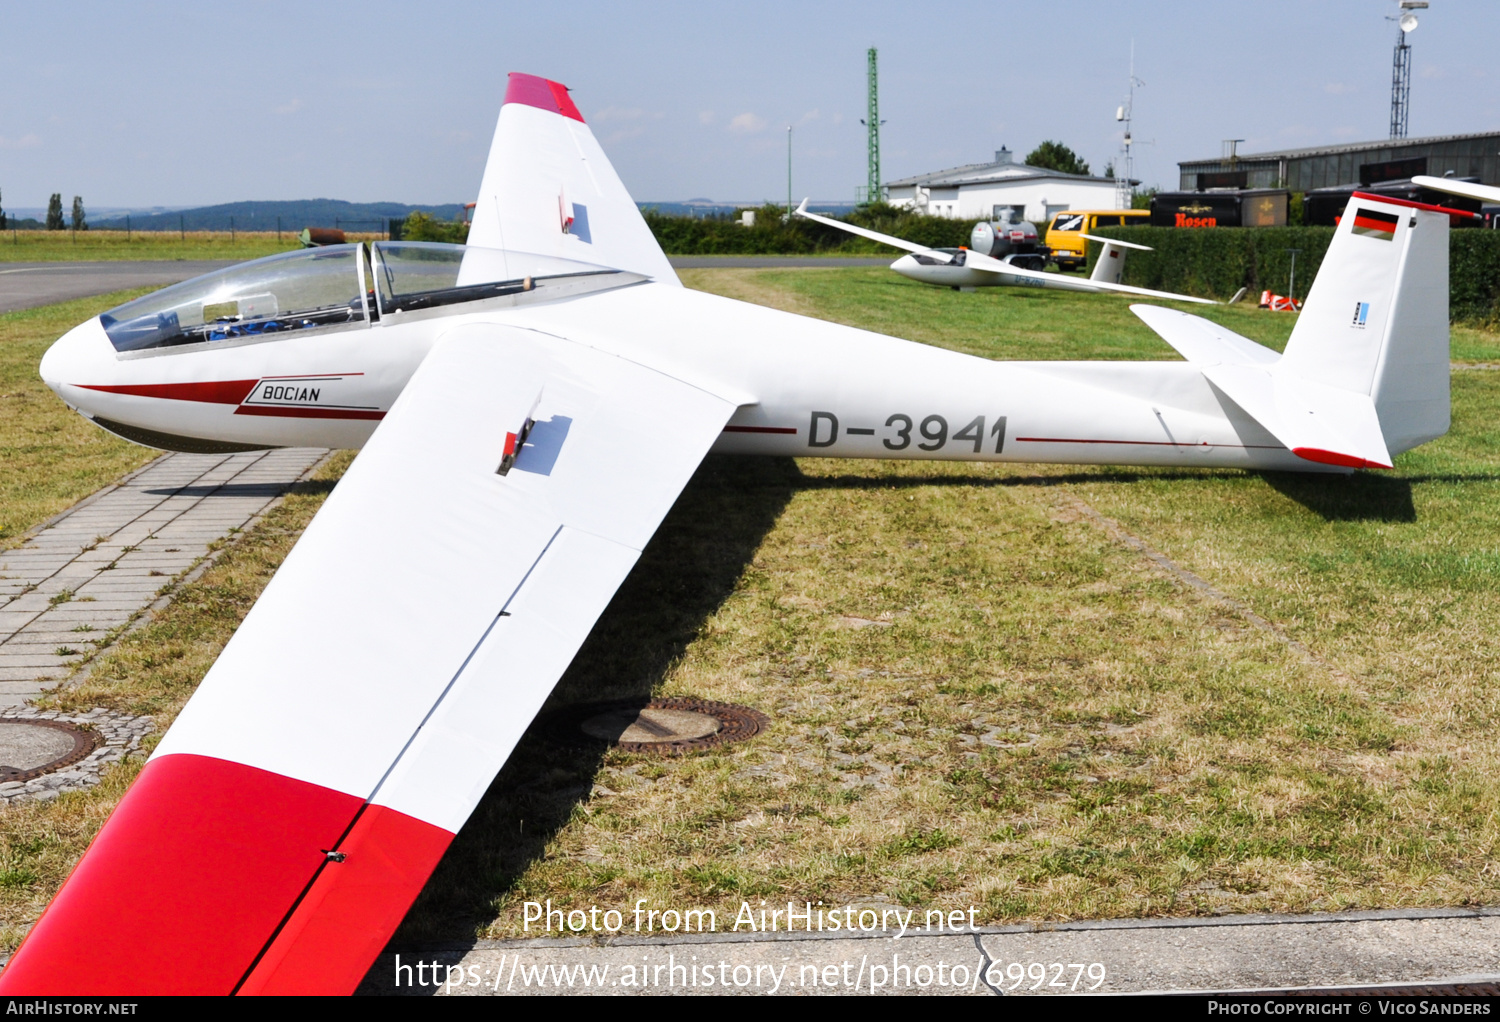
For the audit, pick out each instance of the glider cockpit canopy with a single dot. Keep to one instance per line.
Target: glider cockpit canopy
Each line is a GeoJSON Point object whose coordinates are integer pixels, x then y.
{"type": "Point", "coordinates": [339, 287]}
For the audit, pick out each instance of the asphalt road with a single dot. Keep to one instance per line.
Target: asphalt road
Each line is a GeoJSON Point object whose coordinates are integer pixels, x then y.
{"type": "Point", "coordinates": [27, 285]}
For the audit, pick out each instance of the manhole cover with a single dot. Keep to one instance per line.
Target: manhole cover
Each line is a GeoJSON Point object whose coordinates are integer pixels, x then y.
{"type": "Point", "coordinates": [661, 725]}
{"type": "Point", "coordinates": [30, 748]}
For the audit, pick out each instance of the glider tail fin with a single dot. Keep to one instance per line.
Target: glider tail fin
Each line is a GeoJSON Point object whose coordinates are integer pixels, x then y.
{"type": "Point", "coordinates": [1376, 320]}
{"type": "Point", "coordinates": [548, 189]}
{"type": "Point", "coordinates": [1110, 267]}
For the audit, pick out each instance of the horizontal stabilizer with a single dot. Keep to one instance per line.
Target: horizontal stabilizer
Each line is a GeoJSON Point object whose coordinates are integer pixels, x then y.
{"type": "Point", "coordinates": [1328, 425]}
{"type": "Point", "coordinates": [1199, 340]}
{"type": "Point", "coordinates": [1117, 241]}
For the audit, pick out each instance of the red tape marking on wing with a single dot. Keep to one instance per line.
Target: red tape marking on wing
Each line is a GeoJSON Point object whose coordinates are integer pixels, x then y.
{"type": "Point", "coordinates": [530, 90]}
{"type": "Point", "coordinates": [218, 392]}
{"type": "Point", "coordinates": [185, 884]}
{"type": "Point", "coordinates": [353, 907]}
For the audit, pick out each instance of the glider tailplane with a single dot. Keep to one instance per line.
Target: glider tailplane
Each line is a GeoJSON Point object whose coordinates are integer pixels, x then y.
{"type": "Point", "coordinates": [1365, 373]}
{"type": "Point", "coordinates": [548, 189]}
{"type": "Point", "coordinates": [1376, 319]}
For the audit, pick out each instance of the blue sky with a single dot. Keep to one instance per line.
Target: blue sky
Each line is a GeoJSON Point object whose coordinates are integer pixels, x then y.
{"type": "Point", "coordinates": [161, 103]}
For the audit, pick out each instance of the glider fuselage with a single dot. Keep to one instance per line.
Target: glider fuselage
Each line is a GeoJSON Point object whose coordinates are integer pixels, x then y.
{"type": "Point", "coordinates": [809, 388]}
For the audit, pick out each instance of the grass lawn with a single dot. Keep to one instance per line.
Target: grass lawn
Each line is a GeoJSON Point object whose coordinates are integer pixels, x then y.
{"type": "Point", "coordinates": [978, 697]}
{"type": "Point", "coordinates": [65, 246]}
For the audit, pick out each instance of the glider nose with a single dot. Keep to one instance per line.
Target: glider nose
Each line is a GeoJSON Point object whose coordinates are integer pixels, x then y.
{"type": "Point", "coordinates": [908, 266]}
{"type": "Point", "coordinates": [82, 356]}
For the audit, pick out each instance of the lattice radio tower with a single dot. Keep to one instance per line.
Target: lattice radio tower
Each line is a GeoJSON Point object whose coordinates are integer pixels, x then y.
{"type": "Point", "coordinates": [1401, 66]}
{"type": "Point", "coordinates": [872, 123]}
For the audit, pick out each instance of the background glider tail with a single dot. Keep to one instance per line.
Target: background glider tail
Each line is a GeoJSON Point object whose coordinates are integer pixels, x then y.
{"type": "Point", "coordinates": [1110, 267]}
{"type": "Point", "coordinates": [1376, 320]}
{"type": "Point", "coordinates": [549, 189]}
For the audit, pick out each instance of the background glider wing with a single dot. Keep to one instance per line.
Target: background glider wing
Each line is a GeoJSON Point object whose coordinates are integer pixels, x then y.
{"type": "Point", "coordinates": [884, 239]}
{"type": "Point", "coordinates": [1484, 193]}
{"type": "Point", "coordinates": [979, 261]}
{"type": "Point", "coordinates": [286, 822]}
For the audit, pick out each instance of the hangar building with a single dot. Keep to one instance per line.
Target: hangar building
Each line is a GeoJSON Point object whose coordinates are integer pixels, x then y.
{"type": "Point", "coordinates": [1302, 170]}
{"type": "Point", "coordinates": [983, 190]}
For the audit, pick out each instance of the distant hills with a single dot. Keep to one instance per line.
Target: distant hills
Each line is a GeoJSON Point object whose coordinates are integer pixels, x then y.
{"type": "Point", "coordinates": [294, 215]}
{"type": "Point", "coordinates": [354, 216]}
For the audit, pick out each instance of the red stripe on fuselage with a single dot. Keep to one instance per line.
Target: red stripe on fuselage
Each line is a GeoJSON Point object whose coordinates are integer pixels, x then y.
{"type": "Point", "coordinates": [293, 412]}
{"type": "Point", "coordinates": [217, 392]}
{"type": "Point", "coordinates": [1139, 443]}
{"type": "Point", "coordinates": [531, 90]}
{"type": "Point", "coordinates": [186, 883]}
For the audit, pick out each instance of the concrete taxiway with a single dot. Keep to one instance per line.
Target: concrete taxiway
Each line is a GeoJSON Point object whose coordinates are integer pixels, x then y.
{"type": "Point", "coordinates": [27, 285]}
{"type": "Point", "coordinates": [1367, 951]}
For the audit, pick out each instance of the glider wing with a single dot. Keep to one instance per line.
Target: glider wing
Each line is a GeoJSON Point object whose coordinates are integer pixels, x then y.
{"type": "Point", "coordinates": [863, 232]}
{"type": "Point", "coordinates": [280, 831]}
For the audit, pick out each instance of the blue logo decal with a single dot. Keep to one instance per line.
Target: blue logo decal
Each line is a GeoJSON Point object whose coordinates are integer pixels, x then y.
{"type": "Point", "coordinates": [1361, 313]}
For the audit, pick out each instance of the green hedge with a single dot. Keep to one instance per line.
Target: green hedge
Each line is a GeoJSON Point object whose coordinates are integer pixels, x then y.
{"type": "Point", "coordinates": [680, 235]}
{"type": "Point", "coordinates": [1216, 263]}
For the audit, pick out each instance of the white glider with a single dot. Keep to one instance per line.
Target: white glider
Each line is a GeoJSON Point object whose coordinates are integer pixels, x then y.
{"type": "Point", "coordinates": [529, 408]}
{"type": "Point", "coordinates": [966, 268]}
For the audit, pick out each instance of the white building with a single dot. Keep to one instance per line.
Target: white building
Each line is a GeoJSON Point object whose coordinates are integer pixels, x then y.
{"type": "Point", "coordinates": [985, 190]}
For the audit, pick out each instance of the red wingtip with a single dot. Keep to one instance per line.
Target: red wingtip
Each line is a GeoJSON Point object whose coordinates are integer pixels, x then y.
{"type": "Point", "coordinates": [1334, 458]}
{"type": "Point", "coordinates": [531, 90]}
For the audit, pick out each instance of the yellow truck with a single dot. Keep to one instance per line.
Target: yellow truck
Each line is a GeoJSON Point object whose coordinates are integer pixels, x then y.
{"type": "Point", "coordinates": [1064, 233]}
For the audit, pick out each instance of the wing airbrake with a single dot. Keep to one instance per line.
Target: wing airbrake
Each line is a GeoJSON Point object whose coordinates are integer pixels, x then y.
{"type": "Point", "coordinates": [287, 820]}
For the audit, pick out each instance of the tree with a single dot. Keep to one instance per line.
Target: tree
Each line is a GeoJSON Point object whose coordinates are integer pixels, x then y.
{"type": "Point", "coordinates": [1109, 170]}
{"type": "Point", "coordinates": [2, 218]}
{"type": "Point", "coordinates": [54, 212]}
{"type": "Point", "coordinates": [422, 227]}
{"type": "Point", "coordinates": [79, 223]}
{"type": "Point", "coordinates": [1056, 156]}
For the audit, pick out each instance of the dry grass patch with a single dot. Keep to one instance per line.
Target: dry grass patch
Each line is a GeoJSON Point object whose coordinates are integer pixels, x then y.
{"type": "Point", "coordinates": [977, 696]}
{"type": "Point", "coordinates": [1032, 718]}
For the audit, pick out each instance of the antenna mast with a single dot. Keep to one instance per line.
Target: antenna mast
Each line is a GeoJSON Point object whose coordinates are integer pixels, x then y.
{"type": "Point", "coordinates": [1124, 190]}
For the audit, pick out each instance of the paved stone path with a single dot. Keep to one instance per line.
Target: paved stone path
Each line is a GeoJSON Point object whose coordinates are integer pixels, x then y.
{"type": "Point", "coordinates": [96, 567]}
